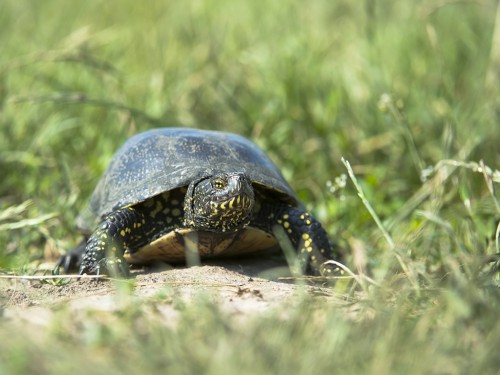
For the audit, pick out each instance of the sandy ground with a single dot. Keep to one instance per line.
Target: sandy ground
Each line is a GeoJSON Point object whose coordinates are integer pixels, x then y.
{"type": "Point", "coordinates": [242, 286]}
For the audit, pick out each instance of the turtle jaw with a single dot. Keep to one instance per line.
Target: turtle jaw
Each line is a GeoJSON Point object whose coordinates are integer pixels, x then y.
{"type": "Point", "coordinates": [219, 203]}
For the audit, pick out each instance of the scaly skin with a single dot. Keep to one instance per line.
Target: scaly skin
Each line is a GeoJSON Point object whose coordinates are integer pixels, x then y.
{"type": "Point", "coordinates": [103, 253]}
{"type": "Point", "coordinates": [307, 236]}
{"type": "Point", "coordinates": [129, 228]}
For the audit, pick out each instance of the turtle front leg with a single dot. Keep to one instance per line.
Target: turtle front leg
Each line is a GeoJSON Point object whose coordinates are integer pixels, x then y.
{"type": "Point", "coordinates": [308, 237]}
{"type": "Point", "coordinates": [119, 231]}
{"type": "Point", "coordinates": [72, 259]}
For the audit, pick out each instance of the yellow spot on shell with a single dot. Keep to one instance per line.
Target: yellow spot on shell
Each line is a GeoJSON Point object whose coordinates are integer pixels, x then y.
{"type": "Point", "coordinates": [302, 217]}
{"type": "Point", "coordinates": [286, 225]}
{"type": "Point", "coordinates": [286, 216]}
{"type": "Point", "coordinates": [308, 222]}
{"type": "Point", "coordinates": [305, 236]}
{"type": "Point", "coordinates": [122, 233]}
{"type": "Point", "coordinates": [309, 249]}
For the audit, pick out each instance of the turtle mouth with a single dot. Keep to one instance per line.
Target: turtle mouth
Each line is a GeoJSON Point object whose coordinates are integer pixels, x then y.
{"type": "Point", "coordinates": [239, 202]}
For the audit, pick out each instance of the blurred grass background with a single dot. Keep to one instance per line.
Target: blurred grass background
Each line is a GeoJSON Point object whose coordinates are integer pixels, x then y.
{"type": "Point", "coordinates": [406, 91]}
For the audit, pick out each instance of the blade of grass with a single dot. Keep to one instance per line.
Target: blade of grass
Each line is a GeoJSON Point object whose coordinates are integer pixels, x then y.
{"type": "Point", "coordinates": [27, 222]}
{"type": "Point", "coordinates": [13, 212]}
{"type": "Point", "coordinates": [82, 98]}
{"type": "Point", "coordinates": [379, 224]}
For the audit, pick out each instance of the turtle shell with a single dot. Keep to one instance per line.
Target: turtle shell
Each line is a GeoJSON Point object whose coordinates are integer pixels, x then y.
{"type": "Point", "coordinates": [164, 159]}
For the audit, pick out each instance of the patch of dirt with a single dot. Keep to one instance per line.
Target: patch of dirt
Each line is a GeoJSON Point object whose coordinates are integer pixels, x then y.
{"type": "Point", "coordinates": [241, 286]}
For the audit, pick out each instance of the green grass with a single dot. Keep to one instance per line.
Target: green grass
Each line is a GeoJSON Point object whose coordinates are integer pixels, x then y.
{"type": "Point", "coordinates": [407, 92]}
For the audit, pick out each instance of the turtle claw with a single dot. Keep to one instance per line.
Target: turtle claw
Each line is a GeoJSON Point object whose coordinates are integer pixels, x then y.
{"type": "Point", "coordinates": [67, 263]}
{"type": "Point", "coordinates": [111, 266]}
{"type": "Point", "coordinates": [71, 261]}
{"type": "Point", "coordinates": [331, 268]}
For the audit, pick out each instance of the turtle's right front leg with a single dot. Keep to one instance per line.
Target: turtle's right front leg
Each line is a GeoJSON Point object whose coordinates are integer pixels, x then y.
{"type": "Point", "coordinates": [119, 231]}
{"type": "Point", "coordinates": [72, 259]}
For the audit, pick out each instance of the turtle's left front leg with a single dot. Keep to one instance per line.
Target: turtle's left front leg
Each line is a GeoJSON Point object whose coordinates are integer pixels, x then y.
{"type": "Point", "coordinates": [308, 237]}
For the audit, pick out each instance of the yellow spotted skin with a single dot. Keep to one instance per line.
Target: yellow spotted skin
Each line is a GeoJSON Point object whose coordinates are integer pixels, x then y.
{"type": "Point", "coordinates": [128, 229]}
{"type": "Point", "coordinates": [306, 234]}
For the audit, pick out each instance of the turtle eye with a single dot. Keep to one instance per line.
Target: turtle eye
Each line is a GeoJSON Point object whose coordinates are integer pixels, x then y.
{"type": "Point", "coordinates": [219, 183]}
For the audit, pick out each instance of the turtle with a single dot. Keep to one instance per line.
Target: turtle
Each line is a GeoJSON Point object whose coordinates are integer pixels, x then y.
{"type": "Point", "coordinates": [169, 194]}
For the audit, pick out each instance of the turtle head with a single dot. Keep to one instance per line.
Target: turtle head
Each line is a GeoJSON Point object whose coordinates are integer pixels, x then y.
{"type": "Point", "coordinates": [219, 203]}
